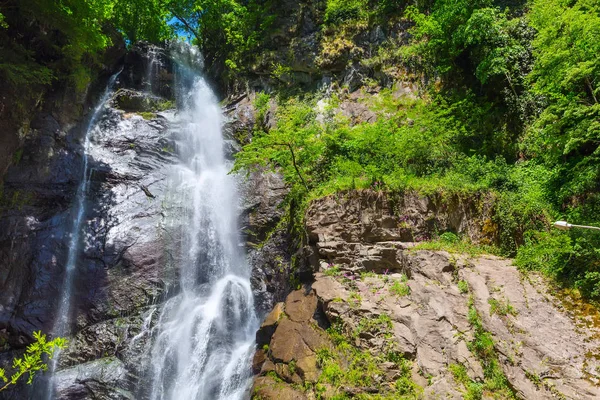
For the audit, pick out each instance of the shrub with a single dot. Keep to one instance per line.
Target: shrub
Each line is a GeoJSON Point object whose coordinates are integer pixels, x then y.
{"type": "Point", "coordinates": [343, 10]}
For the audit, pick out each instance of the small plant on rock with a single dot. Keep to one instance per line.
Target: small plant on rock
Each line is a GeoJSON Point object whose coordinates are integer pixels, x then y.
{"type": "Point", "coordinates": [463, 286]}
{"type": "Point", "coordinates": [355, 300]}
{"type": "Point", "coordinates": [332, 270]}
{"type": "Point", "coordinates": [400, 289]}
{"type": "Point", "coordinates": [501, 307]}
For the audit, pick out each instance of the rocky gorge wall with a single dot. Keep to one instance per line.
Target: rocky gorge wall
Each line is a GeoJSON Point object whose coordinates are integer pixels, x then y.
{"type": "Point", "coordinates": [128, 264]}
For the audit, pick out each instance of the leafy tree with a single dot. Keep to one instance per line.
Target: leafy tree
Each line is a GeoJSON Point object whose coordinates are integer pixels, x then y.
{"type": "Point", "coordinates": [337, 11]}
{"type": "Point", "coordinates": [567, 74]}
{"type": "Point", "coordinates": [482, 53]}
{"type": "Point", "coordinates": [142, 20]}
{"type": "Point", "coordinates": [293, 146]}
{"type": "Point", "coordinates": [33, 361]}
{"type": "Point", "coordinates": [42, 41]}
{"type": "Point", "coordinates": [227, 31]}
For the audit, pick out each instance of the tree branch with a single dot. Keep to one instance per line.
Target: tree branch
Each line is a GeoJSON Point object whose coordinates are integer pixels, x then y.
{"type": "Point", "coordinates": [289, 146]}
{"type": "Point", "coordinates": [187, 25]}
{"type": "Point", "coordinates": [591, 88]}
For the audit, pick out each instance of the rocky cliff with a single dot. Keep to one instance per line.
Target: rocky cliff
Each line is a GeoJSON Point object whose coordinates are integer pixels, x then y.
{"type": "Point", "coordinates": [383, 319]}
{"type": "Point", "coordinates": [127, 267]}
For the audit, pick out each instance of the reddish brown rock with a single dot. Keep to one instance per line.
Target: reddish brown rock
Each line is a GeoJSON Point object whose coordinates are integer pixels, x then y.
{"type": "Point", "coordinates": [294, 341]}
{"type": "Point", "coordinates": [264, 334]}
{"type": "Point", "coordinates": [259, 359]}
{"type": "Point", "coordinates": [300, 307]}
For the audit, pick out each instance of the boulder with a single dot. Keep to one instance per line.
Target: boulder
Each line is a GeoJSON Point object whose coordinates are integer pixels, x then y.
{"type": "Point", "coordinates": [101, 379]}
{"type": "Point", "coordinates": [293, 341]}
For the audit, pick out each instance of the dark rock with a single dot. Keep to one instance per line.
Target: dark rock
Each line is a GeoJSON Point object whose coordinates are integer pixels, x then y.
{"type": "Point", "coordinates": [103, 379]}
{"type": "Point", "coordinates": [271, 271]}
{"type": "Point", "coordinates": [263, 194]}
{"type": "Point", "coordinates": [267, 329]}
{"type": "Point", "coordinates": [148, 68]}
{"type": "Point", "coordinates": [126, 260]}
{"type": "Point", "coordinates": [134, 101]}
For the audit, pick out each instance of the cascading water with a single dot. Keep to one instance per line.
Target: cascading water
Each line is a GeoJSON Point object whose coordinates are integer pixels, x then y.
{"type": "Point", "coordinates": [152, 66]}
{"type": "Point", "coordinates": [61, 324]}
{"type": "Point", "coordinates": [204, 338]}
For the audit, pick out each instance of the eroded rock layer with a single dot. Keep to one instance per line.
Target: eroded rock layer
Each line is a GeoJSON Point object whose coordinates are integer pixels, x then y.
{"type": "Point", "coordinates": [430, 324]}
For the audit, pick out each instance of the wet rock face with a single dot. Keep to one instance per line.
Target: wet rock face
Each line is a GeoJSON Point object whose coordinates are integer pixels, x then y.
{"type": "Point", "coordinates": [149, 68]}
{"type": "Point", "coordinates": [126, 260]}
{"type": "Point", "coordinates": [268, 245]}
{"type": "Point", "coordinates": [131, 245]}
{"type": "Point", "coordinates": [262, 194]}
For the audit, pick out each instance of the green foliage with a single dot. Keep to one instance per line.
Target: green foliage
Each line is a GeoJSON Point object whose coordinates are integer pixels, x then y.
{"type": "Point", "coordinates": [337, 11]}
{"type": "Point", "coordinates": [476, 39]}
{"type": "Point", "coordinates": [566, 73]}
{"type": "Point", "coordinates": [44, 42]}
{"type": "Point", "coordinates": [501, 307]}
{"type": "Point", "coordinates": [142, 19]}
{"type": "Point", "coordinates": [381, 325]}
{"type": "Point", "coordinates": [333, 270]}
{"type": "Point", "coordinates": [346, 366]}
{"type": "Point", "coordinates": [33, 361]}
{"type": "Point", "coordinates": [261, 103]}
{"type": "Point", "coordinates": [147, 115]}
{"type": "Point", "coordinates": [227, 31]}
{"type": "Point", "coordinates": [461, 247]}
{"type": "Point", "coordinates": [482, 346]}
{"type": "Point", "coordinates": [293, 146]}
{"type": "Point", "coordinates": [463, 287]}
{"type": "Point", "coordinates": [459, 373]}
{"type": "Point", "coordinates": [573, 259]}
{"type": "Point", "coordinates": [399, 289]}
{"type": "Point", "coordinates": [474, 390]}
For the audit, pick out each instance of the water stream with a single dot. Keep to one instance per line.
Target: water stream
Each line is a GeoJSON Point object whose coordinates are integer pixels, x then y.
{"type": "Point", "coordinates": [204, 338]}
{"type": "Point", "coordinates": [63, 320]}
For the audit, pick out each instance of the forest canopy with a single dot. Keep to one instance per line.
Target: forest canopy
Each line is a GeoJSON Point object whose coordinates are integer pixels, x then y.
{"type": "Point", "coordinates": [509, 105]}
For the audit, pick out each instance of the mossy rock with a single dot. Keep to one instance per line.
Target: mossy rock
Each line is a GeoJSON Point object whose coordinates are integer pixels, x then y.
{"type": "Point", "coordinates": [134, 101]}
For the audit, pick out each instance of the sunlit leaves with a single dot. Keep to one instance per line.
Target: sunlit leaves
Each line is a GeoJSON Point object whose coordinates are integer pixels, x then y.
{"type": "Point", "coordinates": [567, 74]}
{"type": "Point", "coordinates": [33, 361]}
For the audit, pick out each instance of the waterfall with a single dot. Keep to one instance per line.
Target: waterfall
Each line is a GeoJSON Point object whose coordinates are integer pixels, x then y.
{"type": "Point", "coordinates": [204, 338]}
{"type": "Point", "coordinates": [62, 321]}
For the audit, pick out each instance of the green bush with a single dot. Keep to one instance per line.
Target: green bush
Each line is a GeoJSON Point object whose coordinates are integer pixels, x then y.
{"type": "Point", "coordinates": [343, 10]}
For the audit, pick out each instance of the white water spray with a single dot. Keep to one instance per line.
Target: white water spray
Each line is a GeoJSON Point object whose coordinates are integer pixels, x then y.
{"type": "Point", "coordinates": [204, 339]}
